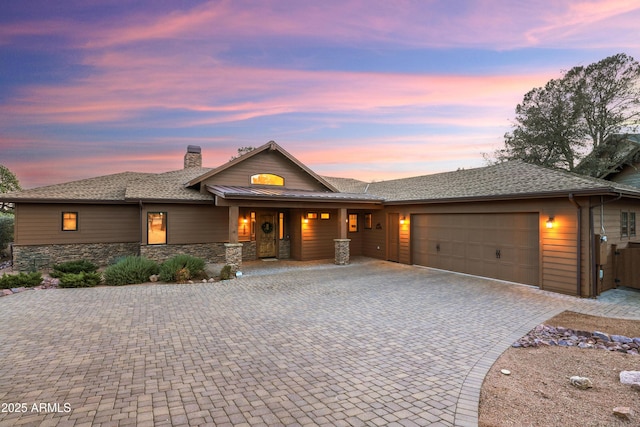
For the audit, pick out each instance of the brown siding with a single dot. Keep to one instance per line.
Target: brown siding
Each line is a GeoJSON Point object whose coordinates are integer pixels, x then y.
{"type": "Point", "coordinates": [558, 253]}
{"type": "Point", "coordinates": [612, 229]}
{"type": "Point", "coordinates": [374, 239]}
{"type": "Point", "coordinates": [188, 224]}
{"type": "Point", "coordinates": [41, 224]}
{"type": "Point", "coordinates": [317, 237]}
{"type": "Point", "coordinates": [355, 245]}
{"type": "Point", "coordinates": [266, 162]}
{"type": "Point", "coordinates": [295, 233]}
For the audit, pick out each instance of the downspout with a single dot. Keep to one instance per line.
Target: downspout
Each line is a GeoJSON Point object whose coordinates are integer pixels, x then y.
{"type": "Point", "coordinates": [579, 246]}
{"type": "Point", "coordinates": [592, 243]}
{"type": "Point", "coordinates": [140, 233]}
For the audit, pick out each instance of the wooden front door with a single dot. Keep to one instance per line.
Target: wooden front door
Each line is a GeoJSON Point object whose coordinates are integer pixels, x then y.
{"type": "Point", "coordinates": [267, 235]}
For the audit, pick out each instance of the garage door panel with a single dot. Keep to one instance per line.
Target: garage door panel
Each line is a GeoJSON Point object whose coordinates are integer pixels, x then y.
{"type": "Point", "coordinates": [468, 244]}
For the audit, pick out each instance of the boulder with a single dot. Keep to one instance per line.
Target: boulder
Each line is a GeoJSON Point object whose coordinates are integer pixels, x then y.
{"type": "Point", "coordinates": [623, 412]}
{"type": "Point", "coordinates": [630, 377]}
{"type": "Point", "coordinates": [582, 383]}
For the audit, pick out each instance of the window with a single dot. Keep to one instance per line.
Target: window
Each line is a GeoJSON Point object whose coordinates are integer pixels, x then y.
{"type": "Point", "coordinates": [325, 215]}
{"type": "Point", "coordinates": [253, 226]}
{"type": "Point", "coordinates": [627, 224]}
{"type": "Point", "coordinates": [281, 225]}
{"type": "Point", "coordinates": [69, 221]}
{"type": "Point", "coordinates": [267, 179]}
{"type": "Point", "coordinates": [368, 221]}
{"type": "Point", "coordinates": [353, 223]}
{"type": "Point", "coordinates": [312, 215]}
{"type": "Point", "coordinates": [157, 228]}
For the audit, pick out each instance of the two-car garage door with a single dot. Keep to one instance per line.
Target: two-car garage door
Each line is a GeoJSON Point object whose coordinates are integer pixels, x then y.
{"type": "Point", "coordinates": [498, 245]}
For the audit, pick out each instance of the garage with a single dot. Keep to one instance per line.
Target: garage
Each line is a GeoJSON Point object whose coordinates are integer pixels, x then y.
{"type": "Point", "coordinates": [502, 246]}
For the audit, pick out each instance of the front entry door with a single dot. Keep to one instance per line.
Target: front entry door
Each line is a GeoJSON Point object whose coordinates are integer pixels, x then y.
{"type": "Point", "coordinates": [267, 234]}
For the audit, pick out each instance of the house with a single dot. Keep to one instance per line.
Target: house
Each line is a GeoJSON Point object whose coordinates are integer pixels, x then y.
{"type": "Point", "coordinates": [616, 159]}
{"type": "Point", "coordinates": [511, 221]}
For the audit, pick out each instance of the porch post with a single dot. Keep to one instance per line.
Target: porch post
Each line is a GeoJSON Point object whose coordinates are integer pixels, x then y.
{"type": "Point", "coordinates": [342, 251]}
{"type": "Point", "coordinates": [233, 256]}
{"type": "Point", "coordinates": [234, 213]}
{"type": "Point", "coordinates": [342, 244]}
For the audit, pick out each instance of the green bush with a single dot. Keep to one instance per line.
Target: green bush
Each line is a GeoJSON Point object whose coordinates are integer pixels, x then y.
{"type": "Point", "coordinates": [181, 268]}
{"type": "Point", "coordinates": [6, 230]}
{"type": "Point", "coordinates": [80, 280]}
{"type": "Point", "coordinates": [26, 280]}
{"type": "Point", "coordinates": [130, 270]}
{"type": "Point", "coordinates": [75, 267]}
{"type": "Point", "coordinates": [225, 273]}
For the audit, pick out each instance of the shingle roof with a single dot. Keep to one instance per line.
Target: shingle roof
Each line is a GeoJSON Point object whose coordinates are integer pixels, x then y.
{"type": "Point", "coordinates": [168, 186]}
{"type": "Point", "coordinates": [107, 188]}
{"type": "Point", "coordinates": [119, 187]}
{"type": "Point", "coordinates": [504, 180]}
{"type": "Point", "coordinates": [347, 185]}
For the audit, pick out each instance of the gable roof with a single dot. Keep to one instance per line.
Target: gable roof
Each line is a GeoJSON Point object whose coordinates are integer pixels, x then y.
{"type": "Point", "coordinates": [508, 180]}
{"type": "Point", "coordinates": [611, 156]}
{"type": "Point", "coordinates": [271, 146]}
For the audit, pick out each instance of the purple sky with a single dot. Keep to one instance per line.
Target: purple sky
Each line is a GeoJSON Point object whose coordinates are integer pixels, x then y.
{"type": "Point", "coordinates": [364, 89]}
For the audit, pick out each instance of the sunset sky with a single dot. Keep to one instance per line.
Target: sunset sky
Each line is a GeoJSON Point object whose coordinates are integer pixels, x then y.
{"type": "Point", "coordinates": [363, 89]}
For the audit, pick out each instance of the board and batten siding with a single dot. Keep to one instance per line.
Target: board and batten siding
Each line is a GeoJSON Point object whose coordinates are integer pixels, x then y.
{"type": "Point", "coordinates": [191, 224]}
{"type": "Point", "coordinates": [558, 246]}
{"type": "Point", "coordinates": [374, 239]}
{"type": "Point", "coordinates": [266, 162]}
{"type": "Point", "coordinates": [41, 224]}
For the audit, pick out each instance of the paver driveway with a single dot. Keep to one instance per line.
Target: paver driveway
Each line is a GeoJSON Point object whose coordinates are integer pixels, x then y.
{"type": "Point", "coordinates": [373, 343]}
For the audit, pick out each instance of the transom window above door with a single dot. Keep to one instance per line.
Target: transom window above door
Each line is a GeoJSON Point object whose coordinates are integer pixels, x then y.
{"type": "Point", "coordinates": [267, 179]}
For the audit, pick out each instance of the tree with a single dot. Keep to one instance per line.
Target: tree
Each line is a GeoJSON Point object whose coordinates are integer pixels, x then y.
{"type": "Point", "coordinates": [547, 131]}
{"type": "Point", "coordinates": [608, 93]}
{"type": "Point", "coordinates": [556, 125]}
{"type": "Point", "coordinates": [242, 151]}
{"type": "Point", "coordinates": [8, 182]}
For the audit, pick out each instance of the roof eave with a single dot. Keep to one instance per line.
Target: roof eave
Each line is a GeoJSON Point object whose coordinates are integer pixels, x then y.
{"type": "Point", "coordinates": [515, 196]}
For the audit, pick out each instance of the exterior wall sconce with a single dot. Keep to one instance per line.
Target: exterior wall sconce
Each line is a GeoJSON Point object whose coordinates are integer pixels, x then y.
{"type": "Point", "coordinates": [550, 222]}
{"type": "Point", "coordinates": [402, 220]}
{"type": "Point", "coordinates": [306, 220]}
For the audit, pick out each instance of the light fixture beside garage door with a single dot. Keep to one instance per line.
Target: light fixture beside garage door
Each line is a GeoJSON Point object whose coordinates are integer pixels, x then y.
{"type": "Point", "coordinates": [550, 222]}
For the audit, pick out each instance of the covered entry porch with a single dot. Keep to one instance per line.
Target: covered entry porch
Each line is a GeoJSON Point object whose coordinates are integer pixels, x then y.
{"type": "Point", "coordinates": [291, 224]}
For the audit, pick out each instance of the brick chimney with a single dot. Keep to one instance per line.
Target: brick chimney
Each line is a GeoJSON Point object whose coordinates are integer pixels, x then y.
{"type": "Point", "coordinates": [193, 157]}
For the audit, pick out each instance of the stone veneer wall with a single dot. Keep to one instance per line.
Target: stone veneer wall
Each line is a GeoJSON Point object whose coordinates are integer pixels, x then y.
{"type": "Point", "coordinates": [249, 251]}
{"type": "Point", "coordinates": [210, 252]}
{"type": "Point", "coordinates": [43, 257]}
{"type": "Point", "coordinates": [342, 251]}
{"type": "Point", "coordinates": [284, 249]}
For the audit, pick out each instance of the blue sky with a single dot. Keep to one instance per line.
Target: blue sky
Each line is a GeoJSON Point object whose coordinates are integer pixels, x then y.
{"type": "Point", "coordinates": [365, 89]}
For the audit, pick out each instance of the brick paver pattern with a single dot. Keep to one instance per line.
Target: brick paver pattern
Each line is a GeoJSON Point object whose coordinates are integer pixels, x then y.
{"type": "Point", "coordinates": [372, 343]}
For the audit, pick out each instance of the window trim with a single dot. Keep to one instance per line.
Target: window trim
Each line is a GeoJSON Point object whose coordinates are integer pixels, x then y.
{"type": "Point", "coordinates": [632, 224]}
{"type": "Point", "coordinates": [76, 216]}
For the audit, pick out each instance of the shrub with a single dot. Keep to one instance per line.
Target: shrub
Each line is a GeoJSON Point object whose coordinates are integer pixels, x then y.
{"type": "Point", "coordinates": [225, 273]}
{"type": "Point", "coordinates": [75, 267]}
{"type": "Point", "coordinates": [26, 280]}
{"type": "Point", "coordinates": [181, 268]}
{"type": "Point", "coordinates": [6, 230]}
{"type": "Point", "coordinates": [130, 270]}
{"type": "Point", "coordinates": [80, 280]}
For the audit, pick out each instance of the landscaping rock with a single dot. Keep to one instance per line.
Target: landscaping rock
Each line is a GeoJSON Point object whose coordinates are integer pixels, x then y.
{"type": "Point", "coordinates": [582, 383]}
{"type": "Point", "coordinates": [623, 412]}
{"type": "Point", "coordinates": [630, 377]}
{"type": "Point", "coordinates": [621, 339]}
{"type": "Point", "coordinates": [544, 335]}
{"type": "Point", "coordinates": [153, 278]}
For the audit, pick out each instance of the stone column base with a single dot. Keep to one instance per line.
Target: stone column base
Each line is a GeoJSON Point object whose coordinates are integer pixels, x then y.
{"type": "Point", "coordinates": [233, 256]}
{"type": "Point", "coordinates": [342, 251]}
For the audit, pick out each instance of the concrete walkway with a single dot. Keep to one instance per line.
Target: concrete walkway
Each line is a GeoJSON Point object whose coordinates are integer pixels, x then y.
{"type": "Point", "coordinates": [372, 343]}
